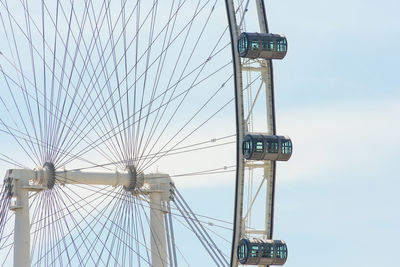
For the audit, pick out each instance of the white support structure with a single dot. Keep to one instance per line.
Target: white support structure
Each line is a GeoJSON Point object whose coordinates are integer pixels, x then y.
{"type": "Point", "coordinates": [20, 206]}
{"type": "Point", "coordinates": [160, 194]}
{"type": "Point", "coordinates": [157, 231]}
{"type": "Point", "coordinates": [268, 175]}
{"type": "Point", "coordinates": [98, 178]}
{"type": "Point", "coordinates": [157, 186]}
{"type": "Point", "coordinates": [263, 67]}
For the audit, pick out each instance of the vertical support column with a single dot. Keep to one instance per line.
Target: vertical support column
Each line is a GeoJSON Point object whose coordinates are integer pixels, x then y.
{"type": "Point", "coordinates": [157, 231]}
{"type": "Point", "coordinates": [269, 201]}
{"type": "Point", "coordinates": [22, 226]}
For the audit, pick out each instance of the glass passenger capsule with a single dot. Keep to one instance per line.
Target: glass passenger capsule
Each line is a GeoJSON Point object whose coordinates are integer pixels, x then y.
{"type": "Point", "coordinates": [262, 45]}
{"type": "Point", "coordinates": [267, 147]}
{"type": "Point", "coordinates": [256, 251]}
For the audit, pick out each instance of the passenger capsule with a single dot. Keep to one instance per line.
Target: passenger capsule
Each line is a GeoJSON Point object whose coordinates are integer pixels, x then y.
{"type": "Point", "coordinates": [262, 45]}
{"type": "Point", "coordinates": [267, 147]}
{"type": "Point", "coordinates": [255, 251]}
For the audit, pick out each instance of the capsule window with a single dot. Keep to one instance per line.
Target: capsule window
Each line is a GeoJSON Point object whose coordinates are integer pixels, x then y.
{"type": "Point", "coordinates": [243, 45]}
{"type": "Point", "coordinates": [287, 147]}
{"type": "Point", "coordinates": [268, 45]}
{"type": "Point", "coordinates": [268, 251]}
{"type": "Point", "coordinates": [242, 251]}
{"type": "Point", "coordinates": [260, 146]}
{"type": "Point", "coordinates": [254, 250]}
{"type": "Point", "coordinates": [272, 146]}
{"type": "Point", "coordinates": [281, 45]}
{"type": "Point", "coordinates": [281, 251]}
{"type": "Point", "coordinates": [255, 45]}
{"type": "Point", "coordinates": [247, 147]}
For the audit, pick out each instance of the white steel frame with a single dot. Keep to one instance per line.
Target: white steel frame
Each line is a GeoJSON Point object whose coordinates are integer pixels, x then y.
{"type": "Point", "coordinates": [158, 187]}
{"type": "Point", "coordinates": [265, 69]}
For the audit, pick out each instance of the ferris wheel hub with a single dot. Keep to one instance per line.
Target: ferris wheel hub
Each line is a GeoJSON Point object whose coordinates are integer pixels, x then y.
{"type": "Point", "coordinates": [51, 174]}
{"type": "Point", "coordinates": [45, 175]}
{"type": "Point", "coordinates": [136, 179]}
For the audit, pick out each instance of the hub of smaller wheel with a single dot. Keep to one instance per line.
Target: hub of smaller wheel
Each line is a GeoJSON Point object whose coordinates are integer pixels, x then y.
{"type": "Point", "coordinates": [46, 175]}
{"type": "Point", "coordinates": [51, 174]}
{"type": "Point", "coordinates": [136, 178]}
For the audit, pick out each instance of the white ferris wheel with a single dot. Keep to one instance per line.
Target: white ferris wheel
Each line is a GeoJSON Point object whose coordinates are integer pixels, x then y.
{"type": "Point", "coordinates": [112, 113]}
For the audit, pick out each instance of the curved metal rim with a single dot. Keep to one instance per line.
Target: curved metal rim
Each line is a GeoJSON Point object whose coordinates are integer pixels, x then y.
{"type": "Point", "coordinates": [239, 122]}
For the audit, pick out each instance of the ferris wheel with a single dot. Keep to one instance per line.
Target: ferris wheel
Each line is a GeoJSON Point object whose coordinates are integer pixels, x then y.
{"type": "Point", "coordinates": [138, 133]}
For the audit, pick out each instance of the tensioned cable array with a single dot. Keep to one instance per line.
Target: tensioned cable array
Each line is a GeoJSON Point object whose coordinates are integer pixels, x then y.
{"type": "Point", "coordinates": [109, 84]}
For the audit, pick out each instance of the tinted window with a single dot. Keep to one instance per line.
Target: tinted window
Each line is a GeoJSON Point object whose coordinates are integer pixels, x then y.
{"type": "Point", "coordinates": [259, 146]}
{"type": "Point", "coordinates": [243, 45]}
{"type": "Point", "coordinates": [281, 45]}
{"type": "Point", "coordinates": [281, 252]}
{"type": "Point", "coordinates": [268, 44]}
{"type": "Point", "coordinates": [272, 146]}
{"type": "Point", "coordinates": [254, 251]}
{"type": "Point", "coordinates": [255, 45]}
{"type": "Point", "coordinates": [268, 251]}
{"type": "Point", "coordinates": [242, 252]}
{"type": "Point", "coordinates": [286, 147]}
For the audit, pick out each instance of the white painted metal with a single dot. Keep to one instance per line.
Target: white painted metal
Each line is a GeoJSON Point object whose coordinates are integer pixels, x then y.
{"type": "Point", "coordinates": [157, 231]}
{"type": "Point", "coordinates": [253, 201]}
{"type": "Point", "coordinates": [255, 232]}
{"type": "Point", "coordinates": [260, 14]}
{"type": "Point", "coordinates": [268, 205]}
{"type": "Point", "coordinates": [22, 175]}
{"type": "Point", "coordinates": [264, 67]}
{"type": "Point", "coordinates": [21, 224]}
{"type": "Point", "coordinates": [98, 178]}
{"type": "Point", "coordinates": [21, 185]}
{"type": "Point", "coordinates": [266, 73]}
{"type": "Point", "coordinates": [24, 180]}
{"type": "Point", "coordinates": [254, 103]}
{"type": "Point", "coordinates": [266, 77]}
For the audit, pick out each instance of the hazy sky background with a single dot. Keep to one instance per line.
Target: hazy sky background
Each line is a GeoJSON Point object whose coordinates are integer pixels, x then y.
{"type": "Point", "coordinates": [337, 94]}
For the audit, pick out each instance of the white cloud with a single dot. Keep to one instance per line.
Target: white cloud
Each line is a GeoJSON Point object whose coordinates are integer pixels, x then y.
{"type": "Point", "coordinates": [352, 137]}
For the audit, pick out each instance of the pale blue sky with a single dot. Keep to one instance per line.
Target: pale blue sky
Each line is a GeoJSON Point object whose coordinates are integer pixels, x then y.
{"type": "Point", "coordinates": [338, 98]}
{"type": "Point", "coordinates": [337, 95]}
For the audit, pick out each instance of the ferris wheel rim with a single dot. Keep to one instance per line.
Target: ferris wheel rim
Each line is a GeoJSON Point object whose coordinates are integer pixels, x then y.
{"type": "Point", "coordinates": [241, 120]}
